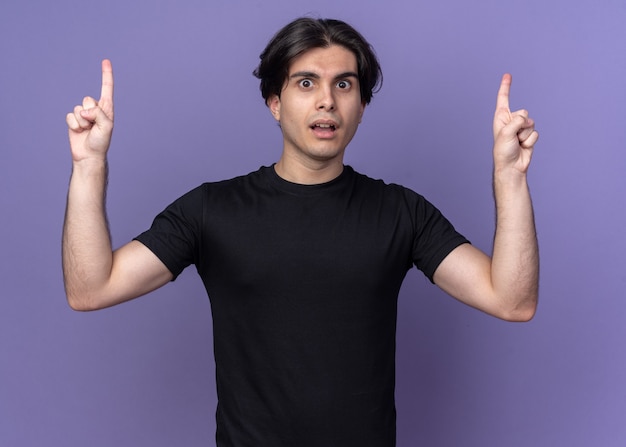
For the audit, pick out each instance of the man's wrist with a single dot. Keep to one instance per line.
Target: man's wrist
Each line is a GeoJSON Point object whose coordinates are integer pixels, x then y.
{"type": "Point", "coordinates": [509, 176]}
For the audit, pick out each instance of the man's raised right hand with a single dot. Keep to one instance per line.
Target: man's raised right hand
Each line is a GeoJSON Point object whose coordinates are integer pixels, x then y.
{"type": "Point", "coordinates": [91, 124]}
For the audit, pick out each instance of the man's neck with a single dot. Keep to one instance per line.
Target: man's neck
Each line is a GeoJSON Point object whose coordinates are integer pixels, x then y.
{"type": "Point", "coordinates": [311, 173]}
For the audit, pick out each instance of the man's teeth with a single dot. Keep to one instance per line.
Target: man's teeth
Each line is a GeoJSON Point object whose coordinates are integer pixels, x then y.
{"type": "Point", "coordinates": [324, 126]}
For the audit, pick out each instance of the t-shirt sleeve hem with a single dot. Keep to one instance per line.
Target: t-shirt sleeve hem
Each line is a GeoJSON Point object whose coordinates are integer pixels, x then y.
{"type": "Point", "coordinates": [145, 240]}
{"type": "Point", "coordinates": [441, 254]}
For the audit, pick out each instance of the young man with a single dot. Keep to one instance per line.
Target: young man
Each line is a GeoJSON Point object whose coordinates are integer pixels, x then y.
{"type": "Point", "coordinates": [303, 260]}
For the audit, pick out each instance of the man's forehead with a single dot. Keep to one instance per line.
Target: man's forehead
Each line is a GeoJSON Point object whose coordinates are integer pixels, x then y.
{"type": "Point", "coordinates": [332, 60]}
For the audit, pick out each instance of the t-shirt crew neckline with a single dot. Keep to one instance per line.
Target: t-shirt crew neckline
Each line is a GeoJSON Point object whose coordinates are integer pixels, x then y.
{"type": "Point", "coordinates": [298, 189]}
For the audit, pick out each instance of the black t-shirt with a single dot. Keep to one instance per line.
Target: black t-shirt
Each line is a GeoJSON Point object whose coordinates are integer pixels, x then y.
{"type": "Point", "coordinates": [303, 282]}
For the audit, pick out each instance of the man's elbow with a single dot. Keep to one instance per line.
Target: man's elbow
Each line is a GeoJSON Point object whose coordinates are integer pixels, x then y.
{"type": "Point", "coordinates": [79, 303]}
{"type": "Point", "coordinates": [83, 301]}
{"type": "Point", "coordinates": [520, 316]}
{"type": "Point", "coordinates": [522, 313]}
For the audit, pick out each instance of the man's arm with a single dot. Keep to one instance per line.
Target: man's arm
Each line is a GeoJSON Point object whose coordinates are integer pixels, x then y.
{"type": "Point", "coordinates": [95, 276]}
{"type": "Point", "coordinates": [505, 285]}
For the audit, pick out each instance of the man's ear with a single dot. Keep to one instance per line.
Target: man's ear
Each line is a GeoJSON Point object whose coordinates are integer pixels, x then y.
{"type": "Point", "coordinates": [273, 102]}
{"type": "Point", "coordinates": [362, 112]}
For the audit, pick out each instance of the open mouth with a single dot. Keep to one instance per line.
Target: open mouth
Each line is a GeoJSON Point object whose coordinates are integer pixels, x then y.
{"type": "Point", "coordinates": [330, 127]}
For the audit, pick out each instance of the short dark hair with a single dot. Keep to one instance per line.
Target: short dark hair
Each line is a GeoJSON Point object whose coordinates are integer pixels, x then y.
{"type": "Point", "coordinates": [304, 34]}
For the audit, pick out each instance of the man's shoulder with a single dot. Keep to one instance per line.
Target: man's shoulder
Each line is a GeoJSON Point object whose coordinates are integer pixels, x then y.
{"type": "Point", "coordinates": [240, 182]}
{"type": "Point", "coordinates": [367, 181]}
{"type": "Point", "coordinates": [218, 190]}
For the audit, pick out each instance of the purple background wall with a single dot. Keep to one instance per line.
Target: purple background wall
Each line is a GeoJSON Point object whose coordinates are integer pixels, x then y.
{"type": "Point", "coordinates": [188, 110]}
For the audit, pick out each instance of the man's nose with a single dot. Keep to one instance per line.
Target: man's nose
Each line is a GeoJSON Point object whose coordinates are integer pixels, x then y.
{"type": "Point", "coordinates": [326, 100]}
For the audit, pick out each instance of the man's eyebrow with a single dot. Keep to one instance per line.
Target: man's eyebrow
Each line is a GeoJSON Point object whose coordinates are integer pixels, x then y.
{"type": "Point", "coordinates": [304, 74]}
{"type": "Point", "coordinates": [347, 74]}
{"type": "Point", "coordinates": [313, 75]}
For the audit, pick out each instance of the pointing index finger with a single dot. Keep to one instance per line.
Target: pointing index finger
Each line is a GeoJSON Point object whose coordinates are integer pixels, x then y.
{"type": "Point", "coordinates": [106, 94]}
{"type": "Point", "coordinates": [503, 94]}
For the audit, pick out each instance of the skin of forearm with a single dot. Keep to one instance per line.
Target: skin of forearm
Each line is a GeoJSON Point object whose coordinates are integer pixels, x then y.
{"type": "Point", "coordinates": [86, 247]}
{"type": "Point", "coordinates": [515, 258]}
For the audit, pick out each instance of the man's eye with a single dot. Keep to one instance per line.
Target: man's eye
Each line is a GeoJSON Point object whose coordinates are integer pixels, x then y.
{"type": "Point", "coordinates": [344, 84]}
{"type": "Point", "coordinates": [306, 83]}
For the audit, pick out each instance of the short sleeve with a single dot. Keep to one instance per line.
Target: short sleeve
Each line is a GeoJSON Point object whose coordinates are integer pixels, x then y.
{"type": "Point", "coordinates": [435, 237]}
{"type": "Point", "coordinates": [174, 236]}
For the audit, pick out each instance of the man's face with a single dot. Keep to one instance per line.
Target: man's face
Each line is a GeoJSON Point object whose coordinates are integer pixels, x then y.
{"type": "Point", "coordinates": [320, 107]}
